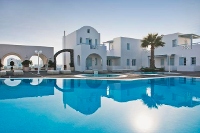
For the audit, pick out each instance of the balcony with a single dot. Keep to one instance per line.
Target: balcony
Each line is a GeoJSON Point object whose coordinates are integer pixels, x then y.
{"type": "Point", "coordinates": [92, 46]}
{"type": "Point", "coordinates": [113, 53]}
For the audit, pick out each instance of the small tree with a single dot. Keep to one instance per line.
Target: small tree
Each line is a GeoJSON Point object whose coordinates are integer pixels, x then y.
{"type": "Point", "coordinates": [1, 65]}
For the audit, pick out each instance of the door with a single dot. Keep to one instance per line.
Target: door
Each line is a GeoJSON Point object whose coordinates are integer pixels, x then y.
{"type": "Point", "coordinates": [89, 63]}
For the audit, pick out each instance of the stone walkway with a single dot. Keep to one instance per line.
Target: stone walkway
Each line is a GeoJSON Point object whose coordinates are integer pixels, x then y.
{"type": "Point", "coordinates": [33, 74]}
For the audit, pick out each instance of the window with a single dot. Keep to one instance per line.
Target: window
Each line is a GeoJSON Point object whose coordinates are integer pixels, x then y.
{"type": "Point", "coordinates": [133, 62]}
{"type": "Point", "coordinates": [95, 41]}
{"type": "Point", "coordinates": [109, 63]}
{"type": "Point", "coordinates": [88, 30]}
{"type": "Point", "coordinates": [128, 62]}
{"type": "Point", "coordinates": [81, 40]}
{"type": "Point", "coordinates": [171, 61]}
{"type": "Point", "coordinates": [162, 62]}
{"type": "Point", "coordinates": [78, 60]}
{"type": "Point", "coordinates": [193, 60]}
{"type": "Point", "coordinates": [95, 61]}
{"type": "Point", "coordinates": [182, 61]}
{"type": "Point", "coordinates": [128, 46]}
{"type": "Point", "coordinates": [174, 43]}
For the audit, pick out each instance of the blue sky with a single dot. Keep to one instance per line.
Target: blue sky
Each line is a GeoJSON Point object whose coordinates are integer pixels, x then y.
{"type": "Point", "coordinates": [42, 22]}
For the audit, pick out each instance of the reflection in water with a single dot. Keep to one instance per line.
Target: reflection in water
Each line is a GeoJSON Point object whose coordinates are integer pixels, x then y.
{"type": "Point", "coordinates": [22, 88]}
{"type": "Point", "coordinates": [12, 82]}
{"type": "Point", "coordinates": [152, 100]}
{"type": "Point", "coordinates": [85, 95]}
{"type": "Point", "coordinates": [36, 81]}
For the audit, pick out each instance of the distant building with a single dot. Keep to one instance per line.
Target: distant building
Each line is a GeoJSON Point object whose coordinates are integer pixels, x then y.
{"type": "Point", "coordinates": [17, 63]}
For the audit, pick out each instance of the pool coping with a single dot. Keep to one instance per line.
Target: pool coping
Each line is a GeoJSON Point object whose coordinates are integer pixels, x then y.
{"type": "Point", "coordinates": [127, 79]}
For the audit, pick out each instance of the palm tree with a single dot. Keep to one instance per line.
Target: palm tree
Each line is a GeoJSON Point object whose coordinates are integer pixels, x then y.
{"type": "Point", "coordinates": [154, 41]}
{"type": "Point", "coordinates": [154, 100]}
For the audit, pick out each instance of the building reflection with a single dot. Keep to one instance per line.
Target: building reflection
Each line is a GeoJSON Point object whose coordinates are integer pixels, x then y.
{"type": "Point", "coordinates": [21, 88]}
{"type": "Point", "coordinates": [85, 97]}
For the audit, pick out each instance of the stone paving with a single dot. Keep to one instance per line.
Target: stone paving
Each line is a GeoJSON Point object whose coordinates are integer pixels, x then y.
{"type": "Point", "coordinates": [33, 74]}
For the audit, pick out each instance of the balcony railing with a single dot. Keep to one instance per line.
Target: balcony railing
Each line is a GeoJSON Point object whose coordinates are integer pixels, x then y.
{"type": "Point", "coordinates": [92, 46]}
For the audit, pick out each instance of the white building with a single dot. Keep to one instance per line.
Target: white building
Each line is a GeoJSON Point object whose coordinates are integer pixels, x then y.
{"type": "Point", "coordinates": [126, 53]}
{"type": "Point", "coordinates": [183, 52]}
{"type": "Point", "coordinates": [89, 54]}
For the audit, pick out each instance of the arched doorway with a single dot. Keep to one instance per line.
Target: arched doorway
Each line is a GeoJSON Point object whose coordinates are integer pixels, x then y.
{"type": "Point", "coordinates": [12, 57]}
{"type": "Point", "coordinates": [64, 50]}
{"type": "Point", "coordinates": [94, 61]}
{"type": "Point", "coordinates": [43, 61]}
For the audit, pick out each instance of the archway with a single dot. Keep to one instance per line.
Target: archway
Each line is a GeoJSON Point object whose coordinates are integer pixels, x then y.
{"type": "Point", "coordinates": [94, 61]}
{"type": "Point", "coordinates": [64, 50]}
{"type": "Point", "coordinates": [12, 57]}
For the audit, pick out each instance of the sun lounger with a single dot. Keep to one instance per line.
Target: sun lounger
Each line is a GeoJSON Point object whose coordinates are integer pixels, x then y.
{"type": "Point", "coordinates": [53, 72]}
{"type": "Point", "coordinates": [65, 71]}
{"type": "Point", "coordinates": [18, 72]}
{"type": "Point", "coordinates": [2, 73]}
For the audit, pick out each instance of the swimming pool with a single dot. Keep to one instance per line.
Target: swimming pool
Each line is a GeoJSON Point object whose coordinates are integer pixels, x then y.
{"type": "Point", "coordinates": [100, 75]}
{"type": "Point", "coordinates": [114, 106]}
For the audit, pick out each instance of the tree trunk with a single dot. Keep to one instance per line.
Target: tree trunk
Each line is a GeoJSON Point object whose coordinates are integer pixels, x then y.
{"type": "Point", "coordinates": [152, 62]}
{"type": "Point", "coordinates": [152, 81]}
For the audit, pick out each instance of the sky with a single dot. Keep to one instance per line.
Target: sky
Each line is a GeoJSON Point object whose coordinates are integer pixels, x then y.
{"type": "Point", "coordinates": [42, 22]}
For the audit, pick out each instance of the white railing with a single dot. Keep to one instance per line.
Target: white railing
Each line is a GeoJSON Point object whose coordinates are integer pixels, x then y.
{"type": "Point", "coordinates": [92, 46]}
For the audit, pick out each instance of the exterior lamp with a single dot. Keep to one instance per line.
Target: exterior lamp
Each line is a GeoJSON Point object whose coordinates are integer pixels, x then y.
{"type": "Point", "coordinates": [38, 53]}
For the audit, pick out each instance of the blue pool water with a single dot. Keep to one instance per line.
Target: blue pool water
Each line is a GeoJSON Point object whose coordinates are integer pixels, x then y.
{"type": "Point", "coordinates": [162, 105]}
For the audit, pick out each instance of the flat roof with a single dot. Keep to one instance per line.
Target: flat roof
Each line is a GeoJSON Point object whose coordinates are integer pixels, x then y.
{"type": "Point", "coordinates": [111, 41]}
{"type": "Point", "coordinates": [194, 36]}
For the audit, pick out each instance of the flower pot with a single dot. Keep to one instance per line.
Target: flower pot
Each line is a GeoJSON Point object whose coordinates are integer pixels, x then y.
{"type": "Point", "coordinates": [72, 68]}
{"type": "Point", "coordinates": [26, 69]}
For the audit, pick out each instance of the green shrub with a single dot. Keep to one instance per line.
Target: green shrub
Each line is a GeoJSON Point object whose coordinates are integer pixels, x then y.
{"type": "Point", "coordinates": [71, 64]}
{"type": "Point", "coordinates": [26, 63]}
{"type": "Point", "coordinates": [50, 63]}
{"type": "Point", "coordinates": [147, 69]}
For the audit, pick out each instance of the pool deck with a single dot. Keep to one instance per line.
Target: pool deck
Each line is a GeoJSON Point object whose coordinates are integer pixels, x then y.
{"type": "Point", "coordinates": [43, 74]}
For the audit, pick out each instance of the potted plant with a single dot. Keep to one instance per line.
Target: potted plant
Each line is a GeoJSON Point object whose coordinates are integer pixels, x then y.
{"type": "Point", "coordinates": [26, 64]}
{"type": "Point", "coordinates": [1, 65]}
{"type": "Point", "coordinates": [12, 64]}
{"type": "Point", "coordinates": [51, 65]}
{"type": "Point", "coordinates": [71, 66]}
{"type": "Point", "coordinates": [65, 67]}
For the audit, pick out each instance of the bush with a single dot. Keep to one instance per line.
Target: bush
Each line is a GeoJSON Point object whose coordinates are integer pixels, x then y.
{"type": "Point", "coordinates": [12, 63]}
{"type": "Point", "coordinates": [50, 63]}
{"type": "Point", "coordinates": [147, 69]}
{"type": "Point", "coordinates": [71, 64]}
{"type": "Point", "coordinates": [26, 63]}
{"type": "Point", "coordinates": [1, 65]}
